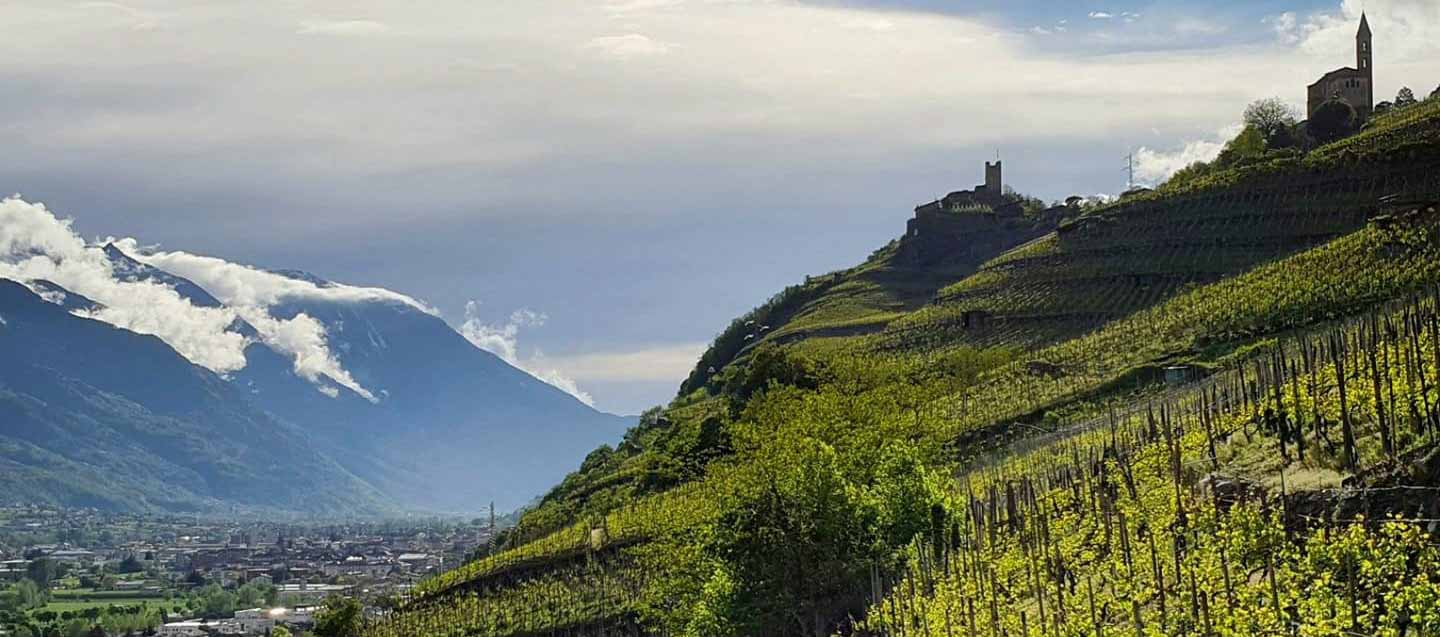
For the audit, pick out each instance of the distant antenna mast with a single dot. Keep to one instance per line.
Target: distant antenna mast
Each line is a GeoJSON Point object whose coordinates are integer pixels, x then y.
{"type": "Point", "coordinates": [491, 539]}
{"type": "Point", "coordinates": [1130, 171]}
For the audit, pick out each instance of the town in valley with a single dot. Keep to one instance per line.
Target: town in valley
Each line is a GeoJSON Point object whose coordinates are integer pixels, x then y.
{"type": "Point", "coordinates": [84, 572]}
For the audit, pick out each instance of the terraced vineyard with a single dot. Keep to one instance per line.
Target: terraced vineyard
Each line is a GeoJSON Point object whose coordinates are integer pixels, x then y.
{"type": "Point", "coordinates": [1127, 256]}
{"type": "Point", "coordinates": [1219, 451]}
{"type": "Point", "coordinates": [1126, 524]}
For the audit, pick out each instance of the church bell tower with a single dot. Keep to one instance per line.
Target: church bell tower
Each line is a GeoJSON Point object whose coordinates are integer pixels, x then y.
{"type": "Point", "coordinates": [1365, 61]}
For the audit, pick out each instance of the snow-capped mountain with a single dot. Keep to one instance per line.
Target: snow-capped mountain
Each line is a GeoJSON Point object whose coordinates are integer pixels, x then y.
{"type": "Point", "coordinates": [184, 377]}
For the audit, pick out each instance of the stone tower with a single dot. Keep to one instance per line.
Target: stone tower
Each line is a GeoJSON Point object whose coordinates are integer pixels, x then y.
{"type": "Point", "coordinates": [993, 181]}
{"type": "Point", "coordinates": [1355, 86]}
{"type": "Point", "coordinates": [1365, 60]}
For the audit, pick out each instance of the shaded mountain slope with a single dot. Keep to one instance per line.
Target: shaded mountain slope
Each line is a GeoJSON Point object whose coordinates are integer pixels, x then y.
{"type": "Point", "coordinates": [454, 427]}
{"type": "Point", "coordinates": [82, 426]}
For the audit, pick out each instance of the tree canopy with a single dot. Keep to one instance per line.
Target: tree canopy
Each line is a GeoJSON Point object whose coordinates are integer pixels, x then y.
{"type": "Point", "coordinates": [1274, 119]}
{"type": "Point", "coordinates": [1333, 120]}
{"type": "Point", "coordinates": [341, 617]}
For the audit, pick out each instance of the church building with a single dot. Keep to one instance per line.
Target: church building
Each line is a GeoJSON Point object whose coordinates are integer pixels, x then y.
{"type": "Point", "coordinates": [1355, 86]}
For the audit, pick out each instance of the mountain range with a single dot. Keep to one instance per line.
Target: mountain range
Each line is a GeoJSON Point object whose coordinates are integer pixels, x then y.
{"type": "Point", "coordinates": [420, 420]}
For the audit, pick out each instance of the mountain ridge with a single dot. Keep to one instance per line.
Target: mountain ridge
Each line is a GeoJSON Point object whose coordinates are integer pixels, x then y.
{"type": "Point", "coordinates": [495, 432]}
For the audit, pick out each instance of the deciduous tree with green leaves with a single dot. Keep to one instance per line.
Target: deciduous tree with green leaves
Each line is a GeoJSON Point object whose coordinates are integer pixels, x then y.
{"type": "Point", "coordinates": [795, 536]}
{"type": "Point", "coordinates": [341, 617]}
{"type": "Point", "coordinates": [1274, 119]}
{"type": "Point", "coordinates": [1405, 97]}
{"type": "Point", "coordinates": [1333, 120]}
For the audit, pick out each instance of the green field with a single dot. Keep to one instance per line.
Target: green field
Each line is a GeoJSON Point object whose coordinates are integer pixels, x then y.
{"type": "Point", "coordinates": [63, 605]}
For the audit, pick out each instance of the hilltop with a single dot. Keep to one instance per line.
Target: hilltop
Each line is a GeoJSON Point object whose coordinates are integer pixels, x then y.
{"type": "Point", "coordinates": [1135, 408]}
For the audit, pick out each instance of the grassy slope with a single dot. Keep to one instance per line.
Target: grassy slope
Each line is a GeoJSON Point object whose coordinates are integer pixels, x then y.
{"type": "Point", "coordinates": [1275, 298]}
{"type": "Point", "coordinates": [1118, 260]}
{"type": "Point", "coordinates": [1127, 256]}
{"type": "Point", "coordinates": [1202, 323]}
{"type": "Point", "coordinates": [851, 302]}
{"type": "Point", "coordinates": [824, 314]}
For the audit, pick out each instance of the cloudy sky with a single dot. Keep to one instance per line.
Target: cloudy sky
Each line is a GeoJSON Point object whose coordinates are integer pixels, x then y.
{"type": "Point", "coordinates": [595, 188]}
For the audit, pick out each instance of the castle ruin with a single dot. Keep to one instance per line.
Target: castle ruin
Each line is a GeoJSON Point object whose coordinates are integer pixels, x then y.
{"type": "Point", "coordinates": [969, 227]}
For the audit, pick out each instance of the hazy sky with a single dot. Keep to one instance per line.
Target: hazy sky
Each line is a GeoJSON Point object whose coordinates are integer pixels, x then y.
{"type": "Point", "coordinates": [611, 182]}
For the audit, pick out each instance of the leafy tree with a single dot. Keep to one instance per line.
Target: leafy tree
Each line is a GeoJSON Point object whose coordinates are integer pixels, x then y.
{"type": "Point", "coordinates": [794, 538]}
{"type": "Point", "coordinates": [29, 595]}
{"type": "Point", "coordinates": [130, 565]}
{"type": "Point", "coordinates": [904, 493]}
{"type": "Point", "coordinates": [1249, 144]}
{"type": "Point", "coordinates": [341, 617]}
{"type": "Point", "coordinates": [769, 364]}
{"type": "Point", "coordinates": [43, 571]}
{"type": "Point", "coordinates": [1405, 97]}
{"type": "Point", "coordinates": [254, 594]}
{"type": "Point", "coordinates": [1435, 93]}
{"type": "Point", "coordinates": [216, 602]}
{"type": "Point", "coordinates": [1189, 173]}
{"type": "Point", "coordinates": [280, 631]}
{"type": "Point", "coordinates": [1333, 120]}
{"type": "Point", "coordinates": [1274, 119]}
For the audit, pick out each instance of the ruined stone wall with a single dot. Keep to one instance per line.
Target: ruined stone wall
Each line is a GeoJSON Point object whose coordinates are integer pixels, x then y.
{"type": "Point", "coordinates": [937, 237]}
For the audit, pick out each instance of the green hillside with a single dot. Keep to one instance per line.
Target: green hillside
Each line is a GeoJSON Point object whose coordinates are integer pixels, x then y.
{"type": "Point", "coordinates": [1136, 424]}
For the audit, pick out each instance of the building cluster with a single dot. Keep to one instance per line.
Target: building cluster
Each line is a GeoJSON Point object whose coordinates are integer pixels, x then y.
{"type": "Point", "coordinates": [253, 621]}
{"type": "Point", "coordinates": [292, 560]}
{"type": "Point", "coordinates": [169, 557]}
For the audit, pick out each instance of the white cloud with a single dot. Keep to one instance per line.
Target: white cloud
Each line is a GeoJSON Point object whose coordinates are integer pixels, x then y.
{"type": "Point", "coordinates": [1155, 166]}
{"type": "Point", "coordinates": [252, 292]}
{"type": "Point", "coordinates": [35, 245]}
{"type": "Point", "coordinates": [504, 341]}
{"type": "Point", "coordinates": [631, 45]}
{"type": "Point", "coordinates": [342, 27]}
{"type": "Point", "coordinates": [243, 285]}
{"type": "Point", "coordinates": [305, 340]}
{"type": "Point", "coordinates": [1286, 27]}
{"type": "Point", "coordinates": [1101, 15]}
